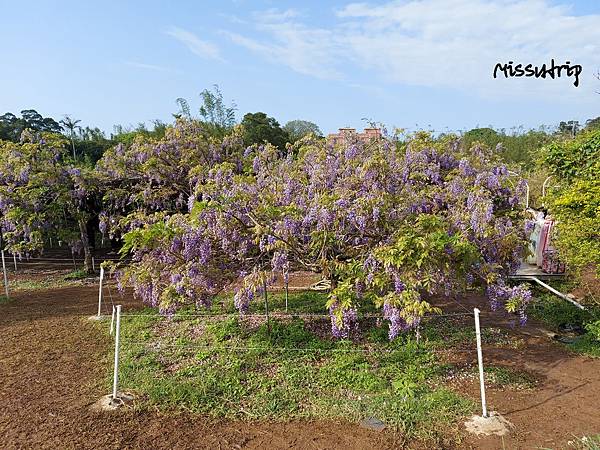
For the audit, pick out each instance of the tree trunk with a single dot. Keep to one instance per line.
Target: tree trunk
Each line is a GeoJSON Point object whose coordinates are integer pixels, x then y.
{"type": "Point", "coordinates": [87, 251]}
{"type": "Point", "coordinates": [92, 225]}
{"type": "Point", "coordinates": [266, 295]}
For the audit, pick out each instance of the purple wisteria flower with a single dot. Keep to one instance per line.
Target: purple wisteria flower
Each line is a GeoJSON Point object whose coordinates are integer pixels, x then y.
{"type": "Point", "coordinates": [348, 324]}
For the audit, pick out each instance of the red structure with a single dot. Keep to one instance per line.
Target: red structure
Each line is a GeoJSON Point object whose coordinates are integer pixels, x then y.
{"type": "Point", "coordinates": [350, 135]}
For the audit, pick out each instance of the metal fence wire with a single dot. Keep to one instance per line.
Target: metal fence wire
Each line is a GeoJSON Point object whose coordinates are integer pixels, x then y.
{"type": "Point", "coordinates": [156, 347]}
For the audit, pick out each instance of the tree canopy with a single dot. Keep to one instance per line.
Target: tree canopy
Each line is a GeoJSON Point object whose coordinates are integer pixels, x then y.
{"type": "Point", "coordinates": [218, 119]}
{"type": "Point", "coordinates": [297, 129]}
{"type": "Point", "coordinates": [518, 147]}
{"type": "Point", "coordinates": [260, 128]}
{"type": "Point", "coordinates": [12, 126]}
{"type": "Point", "coordinates": [575, 199]}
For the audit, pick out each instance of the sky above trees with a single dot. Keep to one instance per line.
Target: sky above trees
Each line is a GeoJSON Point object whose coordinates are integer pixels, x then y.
{"type": "Point", "coordinates": [408, 64]}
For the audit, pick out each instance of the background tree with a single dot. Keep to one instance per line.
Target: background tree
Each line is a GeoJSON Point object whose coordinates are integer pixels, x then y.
{"type": "Point", "coordinates": [8, 128]}
{"type": "Point", "coordinates": [575, 202]}
{"type": "Point", "coordinates": [259, 129]}
{"type": "Point", "coordinates": [12, 126]}
{"type": "Point", "coordinates": [569, 128]}
{"type": "Point", "coordinates": [217, 117]}
{"type": "Point", "coordinates": [127, 135]}
{"type": "Point", "coordinates": [70, 125]}
{"type": "Point", "coordinates": [519, 147]}
{"type": "Point", "coordinates": [592, 124]}
{"type": "Point", "coordinates": [297, 129]}
{"type": "Point", "coordinates": [91, 143]}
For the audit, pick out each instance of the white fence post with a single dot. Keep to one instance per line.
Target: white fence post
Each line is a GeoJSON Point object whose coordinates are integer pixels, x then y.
{"type": "Point", "coordinates": [480, 362]}
{"type": "Point", "coordinates": [100, 290]}
{"type": "Point", "coordinates": [286, 293]}
{"type": "Point", "coordinates": [15, 261]}
{"type": "Point", "coordinates": [112, 321]}
{"type": "Point", "coordinates": [266, 295]}
{"type": "Point", "coordinates": [5, 277]}
{"type": "Point", "coordinates": [117, 336]}
{"type": "Point", "coordinates": [93, 264]}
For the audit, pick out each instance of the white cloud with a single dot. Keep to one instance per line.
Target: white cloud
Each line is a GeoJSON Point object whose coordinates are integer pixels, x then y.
{"type": "Point", "coordinates": [307, 50]}
{"type": "Point", "coordinates": [440, 43]}
{"type": "Point", "coordinates": [151, 67]}
{"type": "Point", "coordinates": [274, 14]}
{"type": "Point", "coordinates": [299, 48]}
{"type": "Point", "coordinates": [197, 46]}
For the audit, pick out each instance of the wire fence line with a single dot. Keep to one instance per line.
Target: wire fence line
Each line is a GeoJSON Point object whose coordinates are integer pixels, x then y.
{"type": "Point", "coordinates": [213, 347]}
{"type": "Point", "coordinates": [68, 260]}
{"type": "Point", "coordinates": [272, 315]}
{"type": "Point", "coordinates": [157, 346]}
{"type": "Point", "coordinates": [277, 314]}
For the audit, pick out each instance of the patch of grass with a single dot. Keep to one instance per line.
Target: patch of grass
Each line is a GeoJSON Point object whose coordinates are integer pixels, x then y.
{"type": "Point", "coordinates": [31, 285]}
{"type": "Point", "coordinates": [78, 274]}
{"type": "Point", "coordinates": [506, 377]}
{"type": "Point", "coordinates": [377, 335]}
{"type": "Point", "coordinates": [312, 302]}
{"type": "Point", "coordinates": [290, 334]}
{"type": "Point", "coordinates": [586, 344]}
{"type": "Point", "coordinates": [20, 284]}
{"type": "Point", "coordinates": [498, 377]}
{"type": "Point", "coordinates": [308, 302]}
{"type": "Point", "coordinates": [453, 332]}
{"type": "Point", "coordinates": [4, 299]}
{"type": "Point", "coordinates": [555, 313]}
{"type": "Point", "coordinates": [586, 443]}
{"type": "Point", "coordinates": [448, 332]}
{"type": "Point", "coordinates": [305, 302]}
{"type": "Point", "coordinates": [238, 368]}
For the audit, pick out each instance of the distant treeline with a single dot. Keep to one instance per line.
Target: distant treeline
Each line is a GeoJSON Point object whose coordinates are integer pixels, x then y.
{"type": "Point", "coordinates": [89, 143]}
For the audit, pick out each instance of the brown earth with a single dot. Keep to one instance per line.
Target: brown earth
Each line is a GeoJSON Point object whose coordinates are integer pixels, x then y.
{"type": "Point", "coordinates": [53, 362]}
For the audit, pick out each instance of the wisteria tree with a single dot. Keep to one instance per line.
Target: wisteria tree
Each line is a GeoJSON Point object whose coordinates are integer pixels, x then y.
{"type": "Point", "coordinates": [154, 178]}
{"type": "Point", "coordinates": [43, 194]}
{"type": "Point", "coordinates": [385, 224]}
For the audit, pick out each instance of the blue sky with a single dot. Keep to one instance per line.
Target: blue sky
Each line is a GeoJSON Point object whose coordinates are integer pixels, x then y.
{"type": "Point", "coordinates": [407, 63]}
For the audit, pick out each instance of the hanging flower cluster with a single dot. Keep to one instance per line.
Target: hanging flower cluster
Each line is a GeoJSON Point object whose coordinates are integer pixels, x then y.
{"type": "Point", "coordinates": [157, 177]}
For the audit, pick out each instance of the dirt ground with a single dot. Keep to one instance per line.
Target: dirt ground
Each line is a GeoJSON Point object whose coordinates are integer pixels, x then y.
{"type": "Point", "coordinates": [53, 362]}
